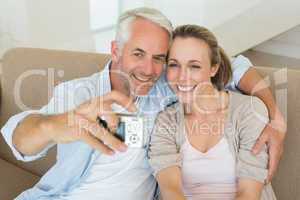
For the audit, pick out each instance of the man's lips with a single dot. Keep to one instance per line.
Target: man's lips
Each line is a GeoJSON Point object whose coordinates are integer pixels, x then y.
{"type": "Point", "coordinates": [142, 79]}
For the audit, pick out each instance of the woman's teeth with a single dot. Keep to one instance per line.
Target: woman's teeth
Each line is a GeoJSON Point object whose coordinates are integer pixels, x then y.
{"type": "Point", "coordinates": [185, 88]}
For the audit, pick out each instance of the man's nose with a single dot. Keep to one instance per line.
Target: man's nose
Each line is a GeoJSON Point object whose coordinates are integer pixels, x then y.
{"type": "Point", "coordinates": [149, 67]}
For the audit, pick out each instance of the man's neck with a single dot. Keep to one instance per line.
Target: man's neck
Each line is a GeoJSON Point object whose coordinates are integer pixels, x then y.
{"type": "Point", "coordinates": [116, 83]}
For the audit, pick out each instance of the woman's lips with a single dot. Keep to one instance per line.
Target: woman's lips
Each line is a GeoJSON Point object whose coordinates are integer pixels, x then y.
{"type": "Point", "coordinates": [185, 88]}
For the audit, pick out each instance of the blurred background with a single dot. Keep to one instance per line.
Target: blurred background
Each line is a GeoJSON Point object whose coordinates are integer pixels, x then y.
{"type": "Point", "coordinates": [265, 30]}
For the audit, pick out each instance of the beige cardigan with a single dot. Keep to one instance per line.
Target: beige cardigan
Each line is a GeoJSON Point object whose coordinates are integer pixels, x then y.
{"type": "Point", "coordinates": [247, 118]}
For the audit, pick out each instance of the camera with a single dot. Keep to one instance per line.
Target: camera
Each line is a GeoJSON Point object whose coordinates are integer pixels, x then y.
{"type": "Point", "coordinates": [131, 130]}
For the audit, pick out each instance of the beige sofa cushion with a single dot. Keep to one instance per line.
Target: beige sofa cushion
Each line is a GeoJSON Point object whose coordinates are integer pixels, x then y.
{"type": "Point", "coordinates": [14, 180]}
{"type": "Point", "coordinates": [286, 183]}
{"type": "Point", "coordinates": [34, 90]}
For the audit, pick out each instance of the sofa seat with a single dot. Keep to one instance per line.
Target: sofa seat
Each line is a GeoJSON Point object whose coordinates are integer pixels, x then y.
{"type": "Point", "coordinates": [14, 180]}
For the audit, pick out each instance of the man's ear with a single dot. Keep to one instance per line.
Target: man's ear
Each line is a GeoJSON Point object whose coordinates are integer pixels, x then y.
{"type": "Point", "coordinates": [214, 70]}
{"type": "Point", "coordinates": [114, 50]}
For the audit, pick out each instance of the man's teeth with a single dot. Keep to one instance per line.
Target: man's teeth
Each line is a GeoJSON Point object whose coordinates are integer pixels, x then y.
{"type": "Point", "coordinates": [185, 88]}
{"type": "Point", "coordinates": [141, 78]}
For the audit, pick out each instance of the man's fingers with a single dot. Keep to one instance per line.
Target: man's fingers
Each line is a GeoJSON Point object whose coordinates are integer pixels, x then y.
{"type": "Point", "coordinates": [112, 121]}
{"type": "Point", "coordinates": [106, 137]}
{"type": "Point", "coordinates": [103, 105]}
{"type": "Point", "coordinates": [261, 141]}
{"type": "Point", "coordinates": [121, 99]}
{"type": "Point", "coordinates": [275, 153]}
{"type": "Point", "coordinates": [96, 144]}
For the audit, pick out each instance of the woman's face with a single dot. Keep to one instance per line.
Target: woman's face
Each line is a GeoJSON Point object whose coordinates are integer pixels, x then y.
{"type": "Point", "coordinates": [189, 70]}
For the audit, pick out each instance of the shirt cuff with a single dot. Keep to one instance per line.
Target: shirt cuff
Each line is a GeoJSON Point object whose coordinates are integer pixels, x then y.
{"type": "Point", "coordinates": [8, 130]}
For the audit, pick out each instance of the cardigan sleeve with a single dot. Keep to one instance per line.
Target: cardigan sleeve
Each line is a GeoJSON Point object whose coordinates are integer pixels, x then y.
{"type": "Point", "coordinates": [253, 120]}
{"type": "Point", "coordinates": [163, 150]}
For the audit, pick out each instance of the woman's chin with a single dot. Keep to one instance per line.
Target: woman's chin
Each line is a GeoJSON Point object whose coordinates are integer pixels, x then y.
{"type": "Point", "coordinates": [185, 98]}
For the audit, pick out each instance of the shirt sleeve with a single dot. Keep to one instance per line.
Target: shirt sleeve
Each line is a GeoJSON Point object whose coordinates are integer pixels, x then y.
{"type": "Point", "coordinates": [240, 66]}
{"type": "Point", "coordinates": [56, 105]}
{"type": "Point", "coordinates": [163, 151]}
{"type": "Point", "coordinates": [253, 121]}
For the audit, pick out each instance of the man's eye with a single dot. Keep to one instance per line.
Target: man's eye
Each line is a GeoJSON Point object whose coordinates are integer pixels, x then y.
{"type": "Point", "coordinates": [138, 54]}
{"type": "Point", "coordinates": [160, 60]}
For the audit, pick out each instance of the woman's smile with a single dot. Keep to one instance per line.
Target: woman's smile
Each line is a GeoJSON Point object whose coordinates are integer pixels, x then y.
{"type": "Point", "coordinates": [182, 88]}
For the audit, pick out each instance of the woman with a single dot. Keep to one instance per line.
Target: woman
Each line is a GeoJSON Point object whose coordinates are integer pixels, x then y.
{"type": "Point", "coordinates": [201, 146]}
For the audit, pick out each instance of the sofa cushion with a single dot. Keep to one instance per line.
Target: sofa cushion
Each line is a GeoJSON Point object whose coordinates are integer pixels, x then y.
{"type": "Point", "coordinates": [285, 84]}
{"type": "Point", "coordinates": [14, 180]}
{"type": "Point", "coordinates": [41, 70]}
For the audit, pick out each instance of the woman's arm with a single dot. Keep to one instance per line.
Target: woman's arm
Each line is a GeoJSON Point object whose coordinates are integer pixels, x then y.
{"type": "Point", "coordinates": [274, 133]}
{"type": "Point", "coordinates": [249, 189]}
{"type": "Point", "coordinates": [170, 183]}
{"type": "Point", "coordinates": [251, 169]}
{"type": "Point", "coordinates": [164, 156]}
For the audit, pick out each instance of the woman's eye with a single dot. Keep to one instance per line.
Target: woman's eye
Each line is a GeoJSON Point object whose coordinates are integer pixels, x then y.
{"type": "Point", "coordinates": [172, 65]}
{"type": "Point", "coordinates": [196, 66]}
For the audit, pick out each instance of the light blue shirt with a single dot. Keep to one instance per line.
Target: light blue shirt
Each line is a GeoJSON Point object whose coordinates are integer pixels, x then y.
{"type": "Point", "coordinates": [74, 160]}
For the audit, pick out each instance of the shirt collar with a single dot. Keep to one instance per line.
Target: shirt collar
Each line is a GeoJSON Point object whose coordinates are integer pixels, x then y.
{"type": "Point", "coordinates": [105, 83]}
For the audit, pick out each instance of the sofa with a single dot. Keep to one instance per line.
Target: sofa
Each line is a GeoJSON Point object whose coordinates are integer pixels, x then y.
{"type": "Point", "coordinates": [35, 72]}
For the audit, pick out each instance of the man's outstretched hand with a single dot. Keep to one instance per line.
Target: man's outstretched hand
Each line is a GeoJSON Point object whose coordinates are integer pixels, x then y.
{"type": "Point", "coordinates": [81, 123]}
{"type": "Point", "coordinates": [273, 135]}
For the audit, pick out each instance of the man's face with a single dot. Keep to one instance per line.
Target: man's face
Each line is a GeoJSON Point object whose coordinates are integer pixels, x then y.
{"type": "Point", "coordinates": [142, 58]}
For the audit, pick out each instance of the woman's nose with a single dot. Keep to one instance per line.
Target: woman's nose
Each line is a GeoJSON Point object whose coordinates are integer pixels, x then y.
{"type": "Point", "coordinates": [184, 74]}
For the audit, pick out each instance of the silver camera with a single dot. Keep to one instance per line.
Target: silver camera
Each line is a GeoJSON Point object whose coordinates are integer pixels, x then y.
{"type": "Point", "coordinates": [131, 130]}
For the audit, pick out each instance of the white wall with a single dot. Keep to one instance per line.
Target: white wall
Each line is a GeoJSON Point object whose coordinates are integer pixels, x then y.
{"type": "Point", "coordinates": [65, 24]}
{"type": "Point", "coordinates": [13, 24]}
{"type": "Point", "coordinates": [258, 24]}
{"type": "Point", "coordinates": [286, 44]}
{"type": "Point", "coordinates": [210, 13]}
{"type": "Point", "coordinates": [57, 24]}
{"type": "Point", "coordinates": [60, 24]}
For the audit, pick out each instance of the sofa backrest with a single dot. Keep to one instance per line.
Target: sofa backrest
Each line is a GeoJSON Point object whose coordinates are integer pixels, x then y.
{"type": "Point", "coordinates": [34, 70]}
{"type": "Point", "coordinates": [285, 84]}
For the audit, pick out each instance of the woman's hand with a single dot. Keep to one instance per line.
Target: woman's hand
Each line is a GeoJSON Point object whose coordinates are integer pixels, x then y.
{"type": "Point", "coordinates": [170, 183]}
{"type": "Point", "coordinates": [249, 189]}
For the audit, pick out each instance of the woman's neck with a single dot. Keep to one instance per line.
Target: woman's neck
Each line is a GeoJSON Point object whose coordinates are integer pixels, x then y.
{"type": "Point", "coordinates": [210, 102]}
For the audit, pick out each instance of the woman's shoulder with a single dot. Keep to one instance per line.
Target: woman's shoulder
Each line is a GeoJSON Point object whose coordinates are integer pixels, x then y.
{"type": "Point", "coordinates": [241, 102]}
{"type": "Point", "coordinates": [245, 106]}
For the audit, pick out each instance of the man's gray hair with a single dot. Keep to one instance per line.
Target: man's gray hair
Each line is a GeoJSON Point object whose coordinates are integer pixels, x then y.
{"type": "Point", "coordinates": [125, 20]}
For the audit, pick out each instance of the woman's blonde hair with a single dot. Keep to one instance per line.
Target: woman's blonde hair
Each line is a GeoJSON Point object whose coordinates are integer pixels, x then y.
{"type": "Point", "coordinates": [217, 54]}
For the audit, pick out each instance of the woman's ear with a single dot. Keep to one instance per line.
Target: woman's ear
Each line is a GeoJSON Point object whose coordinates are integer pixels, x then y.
{"type": "Point", "coordinates": [214, 70]}
{"type": "Point", "coordinates": [114, 50]}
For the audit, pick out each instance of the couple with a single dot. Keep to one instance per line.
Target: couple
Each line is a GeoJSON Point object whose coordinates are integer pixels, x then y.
{"type": "Point", "coordinates": [93, 164]}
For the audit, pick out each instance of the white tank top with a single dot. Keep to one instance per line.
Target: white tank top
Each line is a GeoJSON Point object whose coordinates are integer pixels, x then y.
{"type": "Point", "coordinates": [209, 175]}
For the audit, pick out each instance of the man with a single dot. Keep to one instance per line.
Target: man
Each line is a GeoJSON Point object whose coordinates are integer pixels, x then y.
{"type": "Point", "coordinates": [91, 162]}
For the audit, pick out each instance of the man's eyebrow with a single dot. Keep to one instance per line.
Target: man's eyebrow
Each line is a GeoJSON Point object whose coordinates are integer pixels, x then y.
{"type": "Point", "coordinates": [160, 55]}
{"type": "Point", "coordinates": [156, 56]}
{"type": "Point", "coordinates": [140, 50]}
